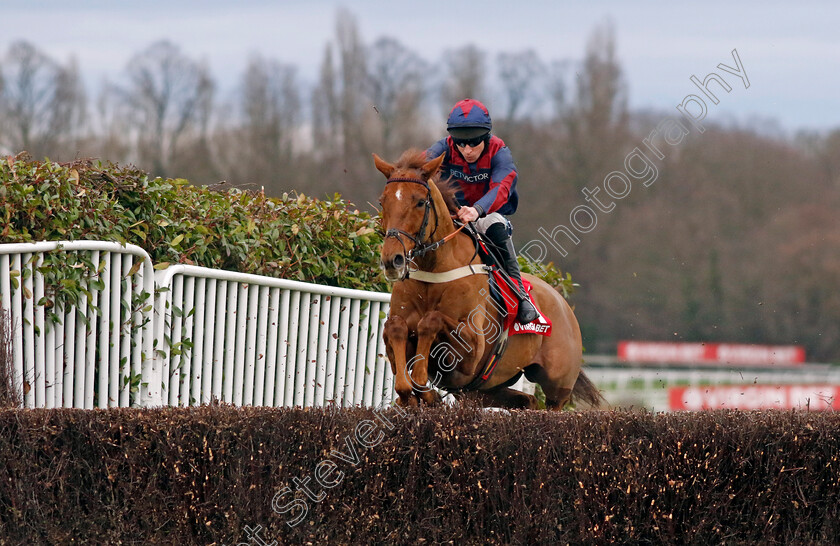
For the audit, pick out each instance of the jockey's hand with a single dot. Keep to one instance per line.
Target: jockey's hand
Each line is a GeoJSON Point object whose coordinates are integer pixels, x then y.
{"type": "Point", "coordinates": [467, 214]}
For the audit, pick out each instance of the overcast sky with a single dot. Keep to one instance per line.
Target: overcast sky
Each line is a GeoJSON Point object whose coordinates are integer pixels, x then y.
{"type": "Point", "coordinates": [790, 50]}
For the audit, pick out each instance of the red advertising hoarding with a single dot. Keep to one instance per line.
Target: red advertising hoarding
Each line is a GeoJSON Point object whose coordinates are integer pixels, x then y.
{"type": "Point", "coordinates": [711, 353]}
{"type": "Point", "coordinates": [753, 397]}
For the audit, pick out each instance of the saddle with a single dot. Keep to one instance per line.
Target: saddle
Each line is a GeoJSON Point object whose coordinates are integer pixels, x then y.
{"type": "Point", "coordinates": [507, 303]}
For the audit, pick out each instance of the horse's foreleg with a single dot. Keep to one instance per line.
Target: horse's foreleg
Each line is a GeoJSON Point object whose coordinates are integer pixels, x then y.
{"type": "Point", "coordinates": [395, 336]}
{"type": "Point", "coordinates": [427, 331]}
{"type": "Point", "coordinates": [464, 348]}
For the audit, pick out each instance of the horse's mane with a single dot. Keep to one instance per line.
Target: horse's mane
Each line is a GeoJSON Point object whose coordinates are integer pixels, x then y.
{"type": "Point", "coordinates": [415, 158]}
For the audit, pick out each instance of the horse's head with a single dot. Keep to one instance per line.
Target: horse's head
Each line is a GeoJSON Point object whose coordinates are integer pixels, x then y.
{"type": "Point", "coordinates": [408, 209]}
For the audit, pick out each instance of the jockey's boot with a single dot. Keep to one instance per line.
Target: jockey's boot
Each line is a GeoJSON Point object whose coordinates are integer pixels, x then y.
{"type": "Point", "coordinates": [498, 235]}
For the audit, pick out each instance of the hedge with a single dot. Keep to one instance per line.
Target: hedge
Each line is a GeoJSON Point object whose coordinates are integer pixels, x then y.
{"type": "Point", "coordinates": [294, 236]}
{"type": "Point", "coordinates": [214, 474]}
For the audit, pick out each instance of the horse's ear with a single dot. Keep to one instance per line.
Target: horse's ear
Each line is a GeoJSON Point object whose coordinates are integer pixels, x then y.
{"type": "Point", "coordinates": [383, 166]}
{"type": "Point", "coordinates": [430, 168]}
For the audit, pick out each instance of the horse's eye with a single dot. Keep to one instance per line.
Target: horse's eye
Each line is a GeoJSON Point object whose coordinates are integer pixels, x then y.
{"type": "Point", "coordinates": [421, 203]}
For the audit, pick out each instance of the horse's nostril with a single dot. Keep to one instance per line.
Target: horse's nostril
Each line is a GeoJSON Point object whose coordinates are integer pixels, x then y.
{"type": "Point", "coordinates": [399, 261]}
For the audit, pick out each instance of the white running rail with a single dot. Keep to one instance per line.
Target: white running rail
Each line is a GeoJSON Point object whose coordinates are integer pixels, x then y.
{"type": "Point", "coordinates": [269, 342]}
{"type": "Point", "coordinates": [86, 358]}
{"type": "Point", "coordinates": [187, 335]}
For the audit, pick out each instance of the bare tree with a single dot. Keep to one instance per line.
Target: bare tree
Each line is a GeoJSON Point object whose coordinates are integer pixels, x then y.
{"type": "Point", "coordinates": [598, 121]}
{"type": "Point", "coordinates": [601, 90]}
{"type": "Point", "coordinates": [519, 73]}
{"type": "Point", "coordinates": [353, 78]}
{"type": "Point", "coordinates": [270, 105]}
{"type": "Point", "coordinates": [42, 104]}
{"type": "Point", "coordinates": [340, 94]}
{"type": "Point", "coordinates": [465, 70]}
{"type": "Point", "coordinates": [326, 120]}
{"type": "Point", "coordinates": [167, 96]}
{"type": "Point", "coordinates": [111, 126]}
{"type": "Point", "coordinates": [341, 106]}
{"type": "Point", "coordinates": [397, 88]}
{"type": "Point", "coordinates": [556, 86]}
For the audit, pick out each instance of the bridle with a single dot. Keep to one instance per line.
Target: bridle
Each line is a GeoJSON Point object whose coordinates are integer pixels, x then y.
{"type": "Point", "coordinates": [421, 245]}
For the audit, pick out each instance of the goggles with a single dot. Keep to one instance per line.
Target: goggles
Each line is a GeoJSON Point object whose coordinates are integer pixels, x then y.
{"type": "Point", "coordinates": [471, 142]}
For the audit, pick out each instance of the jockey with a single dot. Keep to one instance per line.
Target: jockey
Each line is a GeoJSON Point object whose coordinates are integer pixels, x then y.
{"type": "Point", "coordinates": [483, 167]}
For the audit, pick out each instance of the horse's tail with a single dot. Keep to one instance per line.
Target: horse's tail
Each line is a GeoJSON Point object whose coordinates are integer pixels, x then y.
{"type": "Point", "coordinates": [585, 390]}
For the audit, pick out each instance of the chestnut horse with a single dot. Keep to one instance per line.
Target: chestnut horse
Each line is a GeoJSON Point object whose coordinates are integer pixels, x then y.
{"type": "Point", "coordinates": [444, 326]}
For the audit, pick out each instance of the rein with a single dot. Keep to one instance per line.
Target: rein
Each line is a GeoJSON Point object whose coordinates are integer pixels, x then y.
{"type": "Point", "coordinates": [434, 246]}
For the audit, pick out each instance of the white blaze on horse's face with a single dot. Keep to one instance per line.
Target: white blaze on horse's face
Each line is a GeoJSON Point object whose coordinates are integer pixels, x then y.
{"type": "Point", "coordinates": [399, 195]}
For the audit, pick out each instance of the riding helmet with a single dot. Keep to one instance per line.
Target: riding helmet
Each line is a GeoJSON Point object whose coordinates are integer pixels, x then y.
{"type": "Point", "coordinates": [469, 119]}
